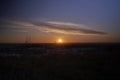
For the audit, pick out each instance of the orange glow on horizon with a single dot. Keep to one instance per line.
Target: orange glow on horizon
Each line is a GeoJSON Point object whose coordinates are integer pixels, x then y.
{"type": "Point", "coordinates": [59, 40]}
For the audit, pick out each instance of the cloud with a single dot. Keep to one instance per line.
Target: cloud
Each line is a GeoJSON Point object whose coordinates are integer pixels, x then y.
{"type": "Point", "coordinates": [16, 26]}
{"type": "Point", "coordinates": [52, 26]}
{"type": "Point", "coordinates": [68, 28]}
{"type": "Point", "coordinates": [12, 23]}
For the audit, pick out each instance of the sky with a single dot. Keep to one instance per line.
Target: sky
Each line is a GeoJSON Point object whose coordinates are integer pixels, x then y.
{"type": "Point", "coordinates": [44, 21]}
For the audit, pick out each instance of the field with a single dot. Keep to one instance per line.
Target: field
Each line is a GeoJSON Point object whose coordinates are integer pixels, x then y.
{"type": "Point", "coordinates": [93, 61]}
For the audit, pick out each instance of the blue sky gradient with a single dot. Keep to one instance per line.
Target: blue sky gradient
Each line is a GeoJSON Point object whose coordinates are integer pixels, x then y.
{"type": "Point", "coordinates": [99, 15]}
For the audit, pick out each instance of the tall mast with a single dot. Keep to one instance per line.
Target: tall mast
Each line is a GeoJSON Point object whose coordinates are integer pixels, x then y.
{"type": "Point", "coordinates": [28, 39]}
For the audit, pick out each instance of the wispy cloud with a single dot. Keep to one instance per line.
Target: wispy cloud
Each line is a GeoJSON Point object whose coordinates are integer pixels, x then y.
{"type": "Point", "coordinates": [53, 26]}
{"type": "Point", "coordinates": [16, 26]}
{"type": "Point", "coordinates": [67, 28]}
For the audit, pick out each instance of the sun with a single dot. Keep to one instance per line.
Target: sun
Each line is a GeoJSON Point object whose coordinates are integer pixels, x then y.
{"type": "Point", "coordinates": [59, 40]}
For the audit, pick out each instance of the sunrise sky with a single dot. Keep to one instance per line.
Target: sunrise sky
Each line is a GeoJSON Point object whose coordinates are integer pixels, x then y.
{"type": "Point", "coordinates": [45, 21]}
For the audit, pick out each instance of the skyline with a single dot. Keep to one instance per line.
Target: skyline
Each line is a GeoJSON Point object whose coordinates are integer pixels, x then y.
{"type": "Point", "coordinates": [45, 21]}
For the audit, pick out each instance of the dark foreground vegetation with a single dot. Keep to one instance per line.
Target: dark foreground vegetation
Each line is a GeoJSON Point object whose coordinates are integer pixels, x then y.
{"type": "Point", "coordinates": [59, 62]}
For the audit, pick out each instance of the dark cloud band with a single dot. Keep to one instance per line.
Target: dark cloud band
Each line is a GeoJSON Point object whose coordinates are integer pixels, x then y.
{"type": "Point", "coordinates": [55, 27]}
